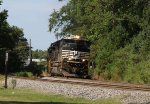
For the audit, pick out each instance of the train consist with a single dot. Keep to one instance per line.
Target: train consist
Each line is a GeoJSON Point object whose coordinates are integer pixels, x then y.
{"type": "Point", "coordinates": [69, 57]}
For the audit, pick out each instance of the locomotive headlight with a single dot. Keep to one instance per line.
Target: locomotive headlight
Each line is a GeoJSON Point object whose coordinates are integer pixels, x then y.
{"type": "Point", "coordinates": [77, 37]}
{"type": "Point", "coordinates": [83, 60]}
{"type": "Point", "coordinates": [69, 58]}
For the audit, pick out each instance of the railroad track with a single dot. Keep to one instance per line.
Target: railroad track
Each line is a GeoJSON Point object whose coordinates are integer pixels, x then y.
{"type": "Point", "coordinates": [122, 86]}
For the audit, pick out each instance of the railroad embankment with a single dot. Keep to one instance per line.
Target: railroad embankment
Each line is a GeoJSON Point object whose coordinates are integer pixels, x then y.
{"type": "Point", "coordinates": [89, 92]}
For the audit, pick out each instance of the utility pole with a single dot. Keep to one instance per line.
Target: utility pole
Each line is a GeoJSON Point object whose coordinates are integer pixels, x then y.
{"type": "Point", "coordinates": [6, 74]}
{"type": "Point", "coordinates": [30, 52]}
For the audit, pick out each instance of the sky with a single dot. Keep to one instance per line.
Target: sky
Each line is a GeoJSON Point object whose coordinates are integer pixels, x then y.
{"type": "Point", "coordinates": [32, 16]}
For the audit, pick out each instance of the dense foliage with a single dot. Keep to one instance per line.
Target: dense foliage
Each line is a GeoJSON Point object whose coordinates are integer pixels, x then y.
{"type": "Point", "coordinates": [119, 31]}
{"type": "Point", "coordinates": [12, 41]}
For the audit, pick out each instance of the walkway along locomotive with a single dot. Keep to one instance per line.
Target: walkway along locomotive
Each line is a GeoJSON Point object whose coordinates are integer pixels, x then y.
{"type": "Point", "coordinates": [69, 57]}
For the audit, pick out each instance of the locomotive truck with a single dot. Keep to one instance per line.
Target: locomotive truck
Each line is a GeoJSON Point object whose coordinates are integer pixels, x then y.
{"type": "Point", "coordinates": [69, 57]}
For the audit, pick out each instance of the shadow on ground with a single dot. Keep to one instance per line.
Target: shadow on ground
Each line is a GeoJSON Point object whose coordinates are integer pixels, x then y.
{"type": "Point", "coordinates": [15, 102]}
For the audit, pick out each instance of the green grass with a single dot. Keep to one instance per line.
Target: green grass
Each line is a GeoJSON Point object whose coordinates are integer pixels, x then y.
{"type": "Point", "coordinates": [17, 96]}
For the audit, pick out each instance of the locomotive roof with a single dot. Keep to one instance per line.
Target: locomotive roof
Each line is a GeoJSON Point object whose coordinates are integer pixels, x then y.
{"type": "Point", "coordinates": [58, 41]}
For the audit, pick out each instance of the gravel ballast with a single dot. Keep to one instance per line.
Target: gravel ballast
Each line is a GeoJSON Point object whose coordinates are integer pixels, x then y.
{"type": "Point", "coordinates": [92, 93]}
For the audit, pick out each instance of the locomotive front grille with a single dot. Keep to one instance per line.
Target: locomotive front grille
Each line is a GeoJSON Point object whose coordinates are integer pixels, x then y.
{"type": "Point", "coordinates": [71, 54]}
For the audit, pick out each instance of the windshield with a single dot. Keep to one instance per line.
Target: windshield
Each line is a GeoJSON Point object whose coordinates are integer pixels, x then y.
{"type": "Point", "coordinates": [78, 45]}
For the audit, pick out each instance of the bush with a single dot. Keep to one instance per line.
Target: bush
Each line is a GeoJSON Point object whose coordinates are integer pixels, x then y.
{"type": "Point", "coordinates": [144, 71]}
{"type": "Point", "coordinates": [14, 83]}
{"type": "Point", "coordinates": [24, 74]}
{"type": "Point", "coordinates": [37, 68]}
{"type": "Point", "coordinates": [125, 65]}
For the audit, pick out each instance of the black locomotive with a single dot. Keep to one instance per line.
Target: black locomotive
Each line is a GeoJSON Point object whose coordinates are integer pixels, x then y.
{"type": "Point", "coordinates": [69, 57]}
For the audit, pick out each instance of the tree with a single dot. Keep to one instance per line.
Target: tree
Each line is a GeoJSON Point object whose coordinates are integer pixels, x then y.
{"type": "Point", "coordinates": [118, 29]}
{"type": "Point", "coordinates": [12, 40]}
{"type": "Point", "coordinates": [39, 54]}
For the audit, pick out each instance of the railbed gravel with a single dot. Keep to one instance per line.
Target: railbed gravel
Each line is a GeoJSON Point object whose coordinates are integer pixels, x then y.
{"type": "Point", "coordinates": [92, 93]}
